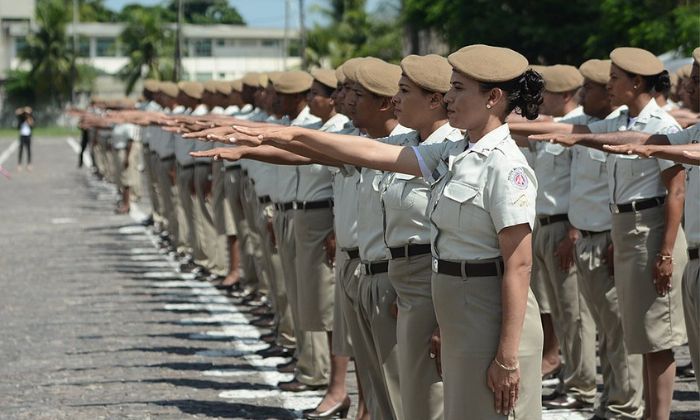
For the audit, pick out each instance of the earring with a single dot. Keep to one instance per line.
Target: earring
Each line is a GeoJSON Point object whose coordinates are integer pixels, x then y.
{"type": "Point", "coordinates": [635, 86]}
{"type": "Point", "coordinates": [488, 106]}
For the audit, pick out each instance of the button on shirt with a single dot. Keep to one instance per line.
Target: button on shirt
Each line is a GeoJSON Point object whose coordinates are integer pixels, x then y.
{"type": "Point", "coordinates": [315, 181]}
{"type": "Point", "coordinates": [692, 189]}
{"type": "Point", "coordinates": [370, 223]}
{"type": "Point", "coordinates": [287, 178]}
{"type": "Point", "coordinates": [478, 190]}
{"type": "Point", "coordinates": [632, 178]}
{"type": "Point", "coordinates": [405, 199]}
{"type": "Point", "coordinates": [553, 171]}
{"type": "Point", "coordinates": [589, 202]}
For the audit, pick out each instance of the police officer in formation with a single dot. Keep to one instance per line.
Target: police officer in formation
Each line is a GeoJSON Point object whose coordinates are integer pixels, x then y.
{"type": "Point", "coordinates": [452, 225]}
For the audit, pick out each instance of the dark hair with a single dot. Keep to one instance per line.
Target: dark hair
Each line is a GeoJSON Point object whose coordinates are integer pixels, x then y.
{"type": "Point", "coordinates": [657, 82]}
{"type": "Point", "coordinates": [524, 93]}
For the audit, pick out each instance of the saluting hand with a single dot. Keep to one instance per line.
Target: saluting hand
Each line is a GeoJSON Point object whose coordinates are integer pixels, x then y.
{"type": "Point", "coordinates": [567, 140]}
{"type": "Point", "coordinates": [692, 155]}
{"type": "Point", "coordinates": [629, 149]}
{"type": "Point", "coordinates": [226, 153]}
{"type": "Point", "coordinates": [255, 136]}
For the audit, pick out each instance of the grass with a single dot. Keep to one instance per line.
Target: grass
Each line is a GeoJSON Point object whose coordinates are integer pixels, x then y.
{"type": "Point", "coordinates": [53, 131]}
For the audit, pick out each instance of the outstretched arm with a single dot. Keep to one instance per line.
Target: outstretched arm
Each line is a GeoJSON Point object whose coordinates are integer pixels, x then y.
{"type": "Point", "coordinates": [354, 150]}
{"type": "Point", "coordinates": [599, 140]}
{"type": "Point", "coordinates": [263, 153]}
{"type": "Point", "coordinates": [681, 153]}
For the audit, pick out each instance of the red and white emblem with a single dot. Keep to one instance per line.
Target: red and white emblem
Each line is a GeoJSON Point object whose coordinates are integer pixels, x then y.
{"type": "Point", "coordinates": [518, 178]}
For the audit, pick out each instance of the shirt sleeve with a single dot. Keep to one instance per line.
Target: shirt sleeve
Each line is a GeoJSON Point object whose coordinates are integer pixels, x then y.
{"type": "Point", "coordinates": [670, 130]}
{"type": "Point", "coordinates": [687, 136]}
{"type": "Point", "coordinates": [432, 156]}
{"type": "Point", "coordinates": [512, 196]}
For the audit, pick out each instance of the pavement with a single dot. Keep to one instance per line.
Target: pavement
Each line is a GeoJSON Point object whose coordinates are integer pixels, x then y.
{"type": "Point", "coordinates": [97, 323]}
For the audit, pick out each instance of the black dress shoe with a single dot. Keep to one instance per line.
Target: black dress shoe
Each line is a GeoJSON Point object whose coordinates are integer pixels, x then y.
{"type": "Point", "coordinates": [275, 351]}
{"type": "Point", "coordinates": [264, 322]}
{"type": "Point", "coordinates": [188, 267]}
{"type": "Point", "coordinates": [288, 367]}
{"type": "Point", "coordinates": [269, 338]}
{"type": "Point", "coordinates": [685, 371]}
{"type": "Point", "coordinates": [568, 403]}
{"type": "Point", "coordinates": [338, 411]}
{"type": "Point", "coordinates": [296, 386]}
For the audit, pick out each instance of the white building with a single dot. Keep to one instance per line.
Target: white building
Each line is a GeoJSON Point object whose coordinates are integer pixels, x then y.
{"type": "Point", "coordinates": [16, 17]}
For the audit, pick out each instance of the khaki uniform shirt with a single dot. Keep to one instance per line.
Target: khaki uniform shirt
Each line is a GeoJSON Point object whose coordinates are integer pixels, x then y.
{"type": "Point", "coordinates": [370, 229]}
{"type": "Point", "coordinates": [477, 190]}
{"type": "Point", "coordinates": [632, 178]}
{"type": "Point", "coordinates": [692, 189]}
{"type": "Point", "coordinates": [346, 181]}
{"type": "Point", "coordinates": [405, 199]}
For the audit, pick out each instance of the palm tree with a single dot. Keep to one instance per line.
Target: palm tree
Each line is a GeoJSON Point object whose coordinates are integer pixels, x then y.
{"type": "Point", "coordinates": [145, 39]}
{"type": "Point", "coordinates": [48, 52]}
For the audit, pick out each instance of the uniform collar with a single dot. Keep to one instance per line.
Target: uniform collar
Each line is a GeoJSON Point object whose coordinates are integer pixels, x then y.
{"type": "Point", "coordinates": [445, 131]}
{"type": "Point", "coordinates": [335, 123]}
{"type": "Point", "coordinates": [304, 118]}
{"type": "Point", "coordinates": [650, 110]}
{"type": "Point", "coordinates": [399, 129]}
{"type": "Point", "coordinates": [489, 142]}
{"type": "Point", "coordinates": [574, 112]}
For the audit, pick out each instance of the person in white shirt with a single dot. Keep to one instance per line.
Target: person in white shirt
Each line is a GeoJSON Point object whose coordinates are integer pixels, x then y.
{"type": "Point", "coordinates": [25, 122]}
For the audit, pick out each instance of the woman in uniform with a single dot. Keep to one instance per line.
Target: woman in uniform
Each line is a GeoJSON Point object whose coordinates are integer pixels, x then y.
{"type": "Point", "coordinates": [482, 210]}
{"type": "Point", "coordinates": [647, 197]}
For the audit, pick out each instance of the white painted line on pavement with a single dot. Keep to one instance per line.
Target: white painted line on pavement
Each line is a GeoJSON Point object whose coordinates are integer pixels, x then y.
{"type": "Point", "coordinates": [7, 152]}
{"type": "Point", "coordinates": [87, 159]}
{"type": "Point", "coordinates": [63, 220]}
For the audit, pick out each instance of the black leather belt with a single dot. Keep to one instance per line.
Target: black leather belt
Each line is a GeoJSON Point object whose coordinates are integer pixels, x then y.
{"type": "Point", "coordinates": [202, 163]}
{"type": "Point", "coordinates": [234, 167]}
{"type": "Point", "coordinates": [589, 233]}
{"type": "Point", "coordinates": [548, 220]}
{"type": "Point", "coordinates": [312, 205]}
{"type": "Point", "coordinates": [167, 159]}
{"type": "Point", "coordinates": [637, 205]}
{"type": "Point", "coordinates": [467, 269]}
{"type": "Point", "coordinates": [285, 206]}
{"type": "Point", "coordinates": [375, 267]}
{"type": "Point", "coordinates": [409, 250]}
{"type": "Point", "coordinates": [352, 253]}
{"type": "Point", "coordinates": [693, 253]}
{"type": "Point", "coordinates": [264, 199]}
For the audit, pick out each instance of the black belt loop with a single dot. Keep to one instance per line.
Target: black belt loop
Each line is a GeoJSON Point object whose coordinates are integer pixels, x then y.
{"type": "Point", "coordinates": [313, 205]}
{"type": "Point", "coordinates": [352, 253]}
{"type": "Point", "coordinates": [589, 233]}
{"type": "Point", "coordinates": [264, 199]}
{"type": "Point", "coordinates": [548, 220]}
{"type": "Point", "coordinates": [637, 205]}
{"type": "Point", "coordinates": [693, 253]}
{"type": "Point", "coordinates": [377, 267]}
{"type": "Point", "coordinates": [409, 250]}
{"type": "Point", "coordinates": [285, 206]}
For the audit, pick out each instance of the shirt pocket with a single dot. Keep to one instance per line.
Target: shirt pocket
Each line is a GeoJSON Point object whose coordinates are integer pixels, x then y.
{"type": "Point", "coordinates": [593, 163]}
{"type": "Point", "coordinates": [460, 201]}
{"type": "Point", "coordinates": [644, 167]}
{"type": "Point", "coordinates": [400, 194]}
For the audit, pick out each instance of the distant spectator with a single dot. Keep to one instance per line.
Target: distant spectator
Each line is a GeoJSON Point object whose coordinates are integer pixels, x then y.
{"type": "Point", "coordinates": [25, 122]}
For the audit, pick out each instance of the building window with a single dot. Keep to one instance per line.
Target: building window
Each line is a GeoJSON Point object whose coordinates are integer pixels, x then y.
{"type": "Point", "coordinates": [202, 47]}
{"type": "Point", "coordinates": [248, 42]}
{"type": "Point", "coordinates": [220, 42]}
{"type": "Point", "coordinates": [106, 47]}
{"type": "Point", "coordinates": [270, 43]}
{"type": "Point", "coordinates": [202, 77]}
{"type": "Point", "coordinates": [222, 75]}
{"type": "Point", "coordinates": [20, 45]}
{"type": "Point", "coordinates": [83, 47]}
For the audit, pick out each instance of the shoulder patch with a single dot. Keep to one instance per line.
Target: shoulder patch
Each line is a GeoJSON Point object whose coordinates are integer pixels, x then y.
{"type": "Point", "coordinates": [518, 178]}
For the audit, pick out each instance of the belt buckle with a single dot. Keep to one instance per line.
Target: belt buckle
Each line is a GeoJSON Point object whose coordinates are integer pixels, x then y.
{"type": "Point", "coordinates": [295, 205]}
{"type": "Point", "coordinates": [614, 209]}
{"type": "Point", "coordinates": [365, 269]}
{"type": "Point", "coordinates": [435, 265]}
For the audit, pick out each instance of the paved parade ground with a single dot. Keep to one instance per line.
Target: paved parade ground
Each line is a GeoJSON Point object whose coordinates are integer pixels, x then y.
{"type": "Point", "coordinates": [96, 323]}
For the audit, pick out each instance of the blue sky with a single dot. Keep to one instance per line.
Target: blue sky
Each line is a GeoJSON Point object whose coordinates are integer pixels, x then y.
{"type": "Point", "coordinates": [261, 13]}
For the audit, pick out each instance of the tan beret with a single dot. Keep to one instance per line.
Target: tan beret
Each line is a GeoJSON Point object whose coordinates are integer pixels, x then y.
{"type": "Point", "coordinates": [192, 89]}
{"type": "Point", "coordinates": [151, 85]}
{"type": "Point", "coordinates": [169, 88]}
{"type": "Point", "coordinates": [536, 67]}
{"type": "Point", "coordinates": [431, 72]}
{"type": "Point", "coordinates": [484, 63]}
{"type": "Point", "coordinates": [210, 86]}
{"type": "Point", "coordinates": [263, 80]}
{"type": "Point", "coordinates": [326, 77]}
{"type": "Point", "coordinates": [350, 68]}
{"type": "Point", "coordinates": [223, 88]}
{"type": "Point", "coordinates": [696, 55]}
{"type": "Point", "coordinates": [339, 75]}
{"type": "Point", "coordinates": [684, 71]}
{"type": "Point", "coordinates": [237, 85]}
{"type": "Point", "coordinates": [379, 77]}
{"type": "Point", "coordinates": [561, 78]}
{"type": "Point", "coordinates": [636, 61]}
{"type": "Point", "coordinates": [251, 79]}
{"type": "Point", "coordinates": [596, 70]}
{"type": "Point", "coordinates": [292, 82]}
{"type": "Point", "coordinates": [272, 76]}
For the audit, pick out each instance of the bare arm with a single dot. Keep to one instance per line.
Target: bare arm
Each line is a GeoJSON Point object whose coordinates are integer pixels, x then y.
{"type": "Point", "coordinates": [674, 180]}
{"type": "Point", "coordinates": [681, 153]}
{"type": "Point", "coordinates": [264, 153]}
{"type": "Point", "coordinates": [354, 150]}
{"type": "Point", "coordinates": [599, 140]}
{"type": "Point", "coordinates": [539, 127]}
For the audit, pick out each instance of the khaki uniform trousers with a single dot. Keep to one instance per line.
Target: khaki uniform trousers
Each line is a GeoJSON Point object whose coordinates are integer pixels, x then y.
{"type": "Point", "coordinates": [131, 176]}
{"type": "Point", "coordinates": [236, 223]}
{"type": "Point", "coordinates": [149, 163]}
{"type": "Point", "coordinates": [100, 162]}
{"type": "Point", "coordinates": [469, 314]}
{"type": "Point", "coordinates": [537, 283]}
{"type": "Point", "coordinates": [109, 164]}
{"type": "Point", "coordinates": [572, 319]}
{"type": "Point", "coordinates": [315, 277]}
{"type": "Point", "coordinates": [421, 386]}
{"type": "Point", "coordinates": [169, 197]}
{"type": "Point", "coordinates": [218, 197]}
{"type": "Point", "coordinates": [650, 322]}
{"type": "Point", "coordinates": [284, 324]}
{"type": "Point", "coordinates": [204, 247]}
{"type": "Point", "coordinates": [118, 161]}
{"type": "Point", "coordinates": [691, 304]}
{"type": "Point", "coordinates": [249, 204]}
{"type": "Point", "coordinates": [375, 295]}
{"type": "Point", "coordinates": [622, 372]}
{"type": "Point", "coordinates": [313, 362]}
{"type": "Point", "coordinates": [185, 207]}
{"type": "Point", "coordinates": [346, 271]}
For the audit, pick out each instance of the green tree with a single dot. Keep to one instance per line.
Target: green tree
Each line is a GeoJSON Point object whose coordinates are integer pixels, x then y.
{"type": "Point", "coordinates": [49, 53]}
{"type": "Point", "coordinates": [95, 11]}
{"type": "Point", "coordinates": [146, 40]}
{"type": "Point", "coordinates": [207, 12]}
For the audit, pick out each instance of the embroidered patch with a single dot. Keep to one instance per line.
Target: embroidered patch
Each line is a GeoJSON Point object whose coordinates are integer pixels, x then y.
{"type": "Point", "coordinates": [518, 178]}
{"type": "Point", "coordinates": [521, 201]}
